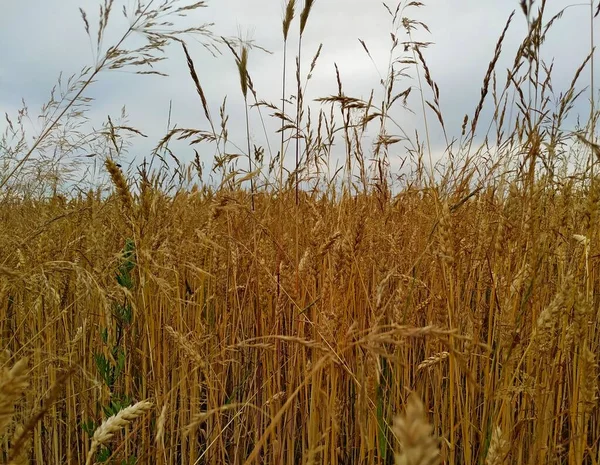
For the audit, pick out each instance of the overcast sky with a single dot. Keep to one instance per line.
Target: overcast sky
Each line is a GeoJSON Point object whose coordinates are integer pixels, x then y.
{"type": "Point", "coordinates": [41, 38]}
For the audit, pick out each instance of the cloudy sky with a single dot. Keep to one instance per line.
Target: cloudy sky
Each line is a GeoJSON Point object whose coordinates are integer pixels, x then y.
{"type": "Point", "coordinates": [41, 38]}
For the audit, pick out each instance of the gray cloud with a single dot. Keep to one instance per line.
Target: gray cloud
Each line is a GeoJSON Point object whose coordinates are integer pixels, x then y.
{"type": "Point", "coordinates": [40, 39]}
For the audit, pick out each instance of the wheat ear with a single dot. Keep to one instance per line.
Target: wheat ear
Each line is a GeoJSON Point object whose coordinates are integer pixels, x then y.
{"type": "Point", "coordinates": [106, 431]}
{"type": "Point", "coordinates": [12, 384]}
{"type": "Point", "coordinates": [415, 434]}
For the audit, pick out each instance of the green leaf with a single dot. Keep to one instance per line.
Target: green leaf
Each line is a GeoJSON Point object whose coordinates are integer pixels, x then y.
{"type": "Point", "coordinates": [103, 455]}
{"type": "Point", "coordinates": [104, 369]}
{"type": "Point", "coordinates": [88, 427]}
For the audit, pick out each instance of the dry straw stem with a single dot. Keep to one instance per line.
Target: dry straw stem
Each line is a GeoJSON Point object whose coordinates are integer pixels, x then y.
{"type": "Point", "coordinates": [12, 384]}
{"type": "Point", "coordinates": [21, 438]}
{"type": "Point", "coordinates": [445, 235]}
{"type": "Point", "coordinates": [415, 434]}
{"type": "Point", "coordinates": [106, 431]}
{"type": "Point", "coordinates": [280, 414]}
{"type": "Point", "coordinates": [201, 417]}
{"type": "Point", "coordinates": [160, 427]}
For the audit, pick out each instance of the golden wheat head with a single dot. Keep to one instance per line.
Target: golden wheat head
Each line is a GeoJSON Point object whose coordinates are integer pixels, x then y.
{"type": "Point", "coordinates": [106, 431]}
{"type": "Point", "coordinates": [418, 446]}
{"type": "Point", "coordinates": [12, 384]}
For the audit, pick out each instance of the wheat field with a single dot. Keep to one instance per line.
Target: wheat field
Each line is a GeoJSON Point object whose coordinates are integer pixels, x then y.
{"type": "Point", "coordinates": [288, 316]}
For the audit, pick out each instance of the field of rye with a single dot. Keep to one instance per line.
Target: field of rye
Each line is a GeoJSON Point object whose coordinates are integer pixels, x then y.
{"type": "Point", "coordinates": [288, 312]}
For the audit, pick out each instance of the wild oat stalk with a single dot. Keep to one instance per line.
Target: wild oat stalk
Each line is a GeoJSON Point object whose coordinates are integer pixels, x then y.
{"type": "Point", "coordinates": [151, 20]}
{"type": "Point", "coordinates": [308, 4]}
{"type": "Point", "coordinates": [242, 66]}
{"type": "Point", "coordinates": [287, 21]}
